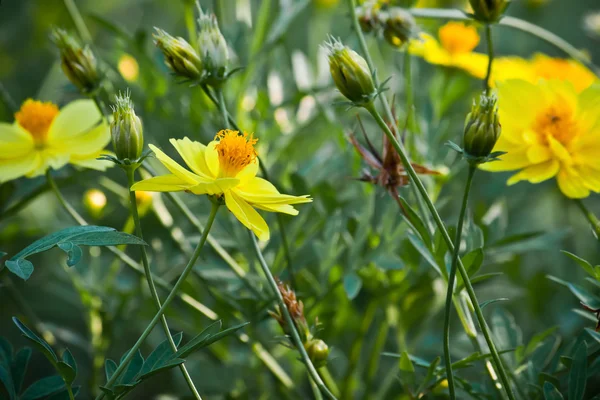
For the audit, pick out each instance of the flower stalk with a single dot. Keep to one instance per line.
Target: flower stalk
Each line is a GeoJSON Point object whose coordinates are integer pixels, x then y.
{"type": "Point", "coordinates": [490, 49]}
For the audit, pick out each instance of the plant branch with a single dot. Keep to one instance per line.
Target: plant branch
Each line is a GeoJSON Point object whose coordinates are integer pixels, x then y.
{"type": "Point", "coordinates": [592, 219]}
{"type": "Point", "coordinates": [490, 49]}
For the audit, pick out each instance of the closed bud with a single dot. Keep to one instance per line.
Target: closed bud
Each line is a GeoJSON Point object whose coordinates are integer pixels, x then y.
{"type": "Point", "coordinates": [212, 46]}
{"type": "Point", "coordinates": [317, 351]}
{"type": "Point", "coordinates": [368, 16]}
{"type": "Point", "coordinates": [488, 11]}
{"type": "Point", "coordinates": [126, 130]}
{"type": "Point", "coordinates": [482, 128]}
{"type": "Point", "coordinates": [400, 26]}
{"type": "Point", "coordinates": [180, 56]}
{"type": "Point", "coordinates": [350, 73]}
{"type": "Point", "coordinates": [77, 62]}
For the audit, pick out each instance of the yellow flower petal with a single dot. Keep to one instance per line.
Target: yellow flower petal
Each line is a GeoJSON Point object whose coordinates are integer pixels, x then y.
{"type": "Point", "coordinates": [20, 166]}
{"type": "Point", "coordinates": [261, 191]}
{"type": "Point", "coordinates": [536, 173]}
{"type": "Point", "coordinates": [163, 183]}
{"type": "Point", "coordinates": [14, 141]}
{"type": "Point", "coordinates": [175, 168]}
{"type": "Point", "coordinates": [559, 151]}
{"type": "Point", "coordinates": [212, 158]}
{"type": "Point", "coordinates": [48, 159]}
{"type": "Point", "coordinates": [247, 215]}
{"type": "Point", "coordinates": [538, 153]}
{"type": "Point", "coordinates": [248, 172]}
{"type": "Point", "coordinates": [192, 153]}
{"type": "Point", "coordinates": [590, 177]}
{"type": "Point", "coordinates": [571, 185]}
{"type": "Point", "coordinates": [280, 208]}
{"type": "Point", "coordinates": [217, 186]}
{"type": "Point", "coordinates": [516, 158]}
{"type": "Point", "coordinates": [90, 161]}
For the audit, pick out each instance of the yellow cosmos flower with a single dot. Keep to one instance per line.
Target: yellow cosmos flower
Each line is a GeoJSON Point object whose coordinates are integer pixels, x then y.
{"type": "Point", "coordinates": [43, 137]}
{"type": "Point", "coordinates": [226, 167]}
{"type": "Point", "coordinates": [549, 130]}
{"type": "Point", "coordinates": [454, 49]}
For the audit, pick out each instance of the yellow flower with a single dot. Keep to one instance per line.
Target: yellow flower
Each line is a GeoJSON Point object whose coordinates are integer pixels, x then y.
{"type": "Point", "coordinates": [454, 49]}
{"type": "Point", "coordinates": [226, 167]}
{"type": "Point", "coordinates": [43, 137]}
{"type": "Point", "coordinates": [549, 130]}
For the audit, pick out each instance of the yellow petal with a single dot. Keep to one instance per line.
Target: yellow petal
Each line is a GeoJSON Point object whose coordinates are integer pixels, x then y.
{"type": "Point", "coordinates": [536, 173]}
{"type": "Point", "coordinates": [212, 158]}
{"type": "Point", "coordinates": [590, 177]}
{"type": "Point", "coordinates": [175, 168]}
{"type": "Point", "coordinates": [280, 208]}
{"type": "Point", "coordinates": [193, 154]}
{"type": "Point", "coordinates": [14, 141]}
{"type": "Point", "coordinates": [261, 191]}
{"type": "Point", "coordinates": [163, 183]}
{"type": "Point", "coordinates": [20, 166]}
{"type": "Point", "coordinates": [248, 172]}
{"type": "Point", "coordinates": [48, 159]}
{"type": "Point", "coordinates": [571, 184]}
{"type": "Point", "coordinates": [217, 186]}
{"type": "Point", "coordinates": [538, 153]}
{"type": "Point", "coordinates": [247, 215]}
{"type": "Point", "coordinates": [90, 161]}
{"type": "Point", "coordinates": [519, 101]}
{"type": "Point", "coordinates": [559, 151]}
{"type": "Point", "coordinates": [514, 159]}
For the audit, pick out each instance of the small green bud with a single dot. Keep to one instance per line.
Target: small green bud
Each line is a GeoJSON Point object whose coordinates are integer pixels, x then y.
{"type": "Point", "coordinates": [212, 46]}
{"type": "Point", "coordinates": [350, 73]}
{"type": "Point", "coordinates": [488, 11]}
{"type": "Point", "coordinates": [78, 63]}
{"type": "Point", "coordinates": [318, 351]}
{"type": "Point", "coordinates": [482, 127]}
{"type": "Point", "coordinates": [400, 26]}
{"type": "Point", "coordinates": [180, 56]}
{"type": "Point", "coordinates": [126, 130]}
{"type": "Point", "coordinates": [368, 16]}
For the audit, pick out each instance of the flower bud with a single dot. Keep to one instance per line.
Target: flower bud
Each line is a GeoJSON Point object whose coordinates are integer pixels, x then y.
{"type": "Point", "coordinates": [77, 62]}
{"type": "Point", "coordinates": [488, 11]}
{"type": "Point", "coordinates": [482, 127]}
{"type": "Point", "coordinates": [317, 351]}
{"type": "Point", "coordinates": [212, 46]}
{"type": "Point", "coordinates": [126, 130]}
{"type": "Point", "coordinates": [400, 27]}
{"type": "Point", "coordinates": [368, 16]}
{"type": "Point", "coordinates": [180, 56]}
{"type": "Point", "coordinates": [350, 73]}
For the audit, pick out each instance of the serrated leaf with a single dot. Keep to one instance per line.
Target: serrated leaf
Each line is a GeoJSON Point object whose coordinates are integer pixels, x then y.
{"type": "Point", "coordinates": [551, 392]}
{"type": "Point", "coordinates": [582, 294]}
{"type": "Point", "coordinates": [160, 354]}
{"type": "Point", "coordinates": [40, 343]}
{"type": "Point", "coordinates": [578, 373]}
{"type": "Point", "coordinates": [7, 381]}
{"type": "Point", "coordinates": [488, 302]}
{"type": "Point", "coordinates": [587, 267]}
{"type": "Point", "coordinates": [109, 368]}
{"type": "Point", "coordinates": [69, 240]}
{"type": "Point", "coordinates": [352, 285]}
{"type": "Point", "coordinates": [44, 387]}
{"type": "Point", "coordinates": [19, 367]}
{"type": "Point", "coordinates": [413, 219]}
{"type": "Point", "coordinates": [129, 376]}
{"type": "Point", "coordinates": [206, 338]}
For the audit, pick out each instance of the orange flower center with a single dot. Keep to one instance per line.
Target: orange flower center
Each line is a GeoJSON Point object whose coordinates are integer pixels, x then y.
{"type": "Point", "coordinates": [36, 117]}
{"type": "Point", "coordinates": [458, 38]}
{"type": "Point", "coordinates": [556, 121]}
{"type": "Point", "coordinates": [235, 151]}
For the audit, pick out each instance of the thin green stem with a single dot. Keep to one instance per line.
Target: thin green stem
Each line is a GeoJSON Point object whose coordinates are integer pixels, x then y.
{"type": "Point", "coordinates": [451, 278]}
{"type": "Point", "coordinates": [100, 105]}
{"type": "Point", "coordinates": [130, 171]}
{"type": "Point", "coordinates": [442, 228]}
{"type": "Point", "coordinates": [592, 219]}
{"type": "Point", "coordinates": [222, 107]}
{"type": "Point", "coordinates": [78, 21]}
{"type": "Point", "coordinates": [70, 391]}
{"type": "Point", "coordinates": [64, 203]}
{"type": "Point", "coordinates": [290, 323]}
{"type": "Point", "coordinates": [515, 23]}
{"type": "Point", "coordinates": [490, 49]}
{"type": "Point", "coordinates": [168, 300]}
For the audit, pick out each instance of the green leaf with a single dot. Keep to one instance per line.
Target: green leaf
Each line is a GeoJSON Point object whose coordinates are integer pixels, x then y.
{"type": "Point", "coordinates": [39, 342]}
{"type": "Point", "coordinates": [593, 334]}
{"type": "Point", "coordinates": [6, 351]}
{"type": "Point", "coordinates": [477, 356]}
{"type": "Point", "coordinates": [44, 387]}
{"type": "Point", "coordinates": [206, 338]}
{"type": "Point", "coordinates": [505, 329]}
{"type": "Point", "coordinates": [578, 373]}
{"type": "Point", "coordinates": [6, 379]}
{"type": "Point", "coordinates": [352, 285]}
{"type": "Point", "coordinates": [68, 367]}
{"type": "Point", "coordinates": [405, 364]}
{"type": "Point", "coordinates": [587, 267]}
{"type": "Point", "coordinates": [69, 240]}
{"type": "Point", "coordinates": [538, 339]}
{"type": "Point", "coordinates": [163, 366]}
{"type": "Point", "coordinates": [160, 354]}
{"type": "Point", "coordinates": [551, 392]}
{"type": "Point", "coordinates": [472, 262]}
{"type": "Point", "coordinates": [487, 302]}
{"type": "Point", "coordinates": [129, 376]}
{"type": "Point", "coordinates": [583, 295]}
{"type": "Point", "coordinates": [64, 395]}
{"type": "Point", "coordinates": [109, 368]}
{"type": "Point", "coordinates": [413, 219]}
{"type": "Point", "coordinates": [19, 367]}
{"type": "Point", "coordinates": [424, 251]}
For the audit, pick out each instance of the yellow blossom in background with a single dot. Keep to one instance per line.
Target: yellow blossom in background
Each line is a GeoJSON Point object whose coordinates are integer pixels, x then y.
{"type": "Point", "coordinates": [226, 167]}
{"type": "Point", "coordinates": [43, 137]}
{"type": "Point", "coordinates": [454, 48]}
{"type": "Point", "coordinates": [128, 68]}
{"type": "Point", "coordinates": [549, 130]}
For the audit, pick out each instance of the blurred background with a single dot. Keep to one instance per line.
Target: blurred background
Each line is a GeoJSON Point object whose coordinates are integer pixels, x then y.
{"type": "Point", "coordinates": [355, 267]}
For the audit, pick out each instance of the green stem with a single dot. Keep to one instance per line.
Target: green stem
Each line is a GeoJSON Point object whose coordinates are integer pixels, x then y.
{"type": "Point", "coordinates": [223, 107]}
{"type": "Point", "coordinates": [168, 300]}
{"type": "Point", "coordinates": [442, 228]}
{"type": "Point", "coordinates": [70, 391]}
{"type": "Point", "coordinates": [190, 23]}
{"type": "Point", "coordinates": [78, 21]}
{"type": "Point", "coordinates": [130, 171]}
{"type": "Point", "coordinates": [290, 323]}
{"type": "Point", "coordinates": [592, 219]}
{"type": "Point", "coordinates": [451, 277]}
{"type": "Point", "coordinates": [515, 23]}
{"type": "Point", "coordinates": [100, 105]}
{"type": "Point", "coordinates": [78, 218]}
{"type": "Point", "coordinates": [490, 49]}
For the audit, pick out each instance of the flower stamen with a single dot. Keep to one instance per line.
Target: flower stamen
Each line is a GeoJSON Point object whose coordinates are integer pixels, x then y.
{"type": "Point", "coordinates": [36, 117]}
{"type": "Point", "coordinates": [556, 121]}
{"type": "Point", "coordinates": [235, 151]}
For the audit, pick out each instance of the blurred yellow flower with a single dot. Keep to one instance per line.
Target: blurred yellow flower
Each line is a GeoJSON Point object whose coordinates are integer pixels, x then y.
{"type": "Point", "coordinates": [226, 167]}
{"type": "Point", "coordinates": [549, 130]}
{"type": "Point", "coordinates": [129, 68]}
{"type": "Point", "coordinates": [454, 48]}
{"type": "Point", "coordinates": [43, 137]}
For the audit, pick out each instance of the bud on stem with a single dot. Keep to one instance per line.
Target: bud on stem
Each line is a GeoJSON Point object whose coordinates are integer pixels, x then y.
{"type": "Point", "coordinates": [78, 63]}
{"type": "Point", "coordinates": [126, 130]}
{"type": "Point", "coordinates": [180, 56]}
{"type": "Point", "coordinates": [488, 11]}
{"type": "Point", "coordinates": [482, 129]}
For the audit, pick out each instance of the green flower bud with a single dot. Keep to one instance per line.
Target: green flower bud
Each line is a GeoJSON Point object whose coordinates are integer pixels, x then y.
{"type": "Point", "coordinates": [77, 62]}
{"type": "Point", "coordinates": [488, 11]}
{"type": "Point", "coordinates": [400, 26]}
{"type": "Point", "coordinates": [368, 16]}
{"type": "Point", "coordinates": [318, 351]}
{"type": "Point", "coordinates": [212, 46]}
{"type": "Point", "coordinates": [126, 130]}
{"type": "Point", "coordinates": [350, 73]}
{"type": "Point", "coordinates": [482, 127]}
{"type": "Point", "coordinates": [180, 56]}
